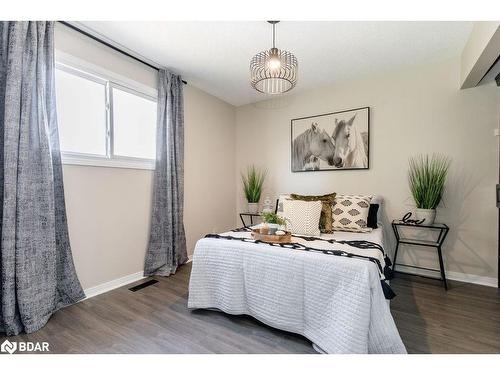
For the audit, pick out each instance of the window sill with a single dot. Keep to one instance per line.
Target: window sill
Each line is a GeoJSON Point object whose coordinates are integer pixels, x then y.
{"type": "Point", "coordinates": [116, 162]}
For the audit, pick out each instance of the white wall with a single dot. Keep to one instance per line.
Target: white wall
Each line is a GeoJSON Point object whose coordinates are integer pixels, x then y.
{"type": "Point", "coordinates": [209, 166]}
{"type": "Point", "coordinates": [419, 110]}
{"type": "Point", "coordinates": [109, 208]}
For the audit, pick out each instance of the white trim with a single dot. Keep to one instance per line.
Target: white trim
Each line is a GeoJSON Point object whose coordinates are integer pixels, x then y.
{"type": "Point", "coordinates": [116, 283]}
{"type": "Point", "coordinates": [74, 63]}
{"type": "Point", "coordinates": [452, 275]}
{"type": "Point", "coordinates": [131, 90]}
{"type": "Point", "coordinates": [113, 284]}
{"type": "Point", "coordinates": [114, 162]}
{"type": "Point", "coordinates": [473, 279]}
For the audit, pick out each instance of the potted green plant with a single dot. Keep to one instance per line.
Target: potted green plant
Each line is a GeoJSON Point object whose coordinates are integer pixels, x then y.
{"type": "Point", "coordinates": [427, 176]}
{"type": "Point", "coordinates": [253, 180]}
{"type": "Point", "coordinates": [272, 221]}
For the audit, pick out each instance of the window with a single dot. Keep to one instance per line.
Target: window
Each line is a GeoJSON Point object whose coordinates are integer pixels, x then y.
{"type": "Point", "coordinates": [134, 117]}
{"type": "Point", "coordinates": [104, 122]}
{"type": "Point", "coordinates": [81, 111]}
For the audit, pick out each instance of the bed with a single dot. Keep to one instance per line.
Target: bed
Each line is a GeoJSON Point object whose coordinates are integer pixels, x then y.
{"type": "Point", "coordinates": [323, 288]}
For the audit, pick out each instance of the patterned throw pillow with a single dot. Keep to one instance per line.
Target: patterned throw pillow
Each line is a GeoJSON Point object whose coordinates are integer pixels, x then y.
{"type": "Point", "coordinates": [350, 213]}
{"type": "Point", "coordinates": [327, 200]}
{"type": "Point", "coordinates": [302, 217]}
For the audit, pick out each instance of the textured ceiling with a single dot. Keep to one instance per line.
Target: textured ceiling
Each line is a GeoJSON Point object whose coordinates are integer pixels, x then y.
{"type": "Point", "coordinates": [215, 56]}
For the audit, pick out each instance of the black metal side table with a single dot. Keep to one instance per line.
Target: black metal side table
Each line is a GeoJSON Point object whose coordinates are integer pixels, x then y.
{"type": "Point", "coordinates": [443, 232]}
{"type": "Point", "coordinates": [242, 214]}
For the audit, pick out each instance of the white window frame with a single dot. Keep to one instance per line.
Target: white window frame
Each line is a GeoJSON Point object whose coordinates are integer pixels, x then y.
{"type": "Point", "coordinates": [110, 80]}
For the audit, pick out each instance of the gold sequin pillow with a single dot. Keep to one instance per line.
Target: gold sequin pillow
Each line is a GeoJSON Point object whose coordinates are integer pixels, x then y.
{"type": "Point", "coordinates": [327, 201]}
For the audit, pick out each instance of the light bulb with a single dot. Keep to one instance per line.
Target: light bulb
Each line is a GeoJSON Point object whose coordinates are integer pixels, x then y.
{"type": "Point", "coordinates": [274, 63]}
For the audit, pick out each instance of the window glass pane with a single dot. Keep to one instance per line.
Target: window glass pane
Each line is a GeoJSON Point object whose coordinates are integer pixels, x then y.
{"type": "Point", "coordinates": [81, 113]}
{"type": "Point", "coordinates": [134, 125]}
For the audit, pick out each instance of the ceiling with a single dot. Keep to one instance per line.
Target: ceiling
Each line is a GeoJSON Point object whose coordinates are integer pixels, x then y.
{"type": "Point", "coordinates": [215, 56]}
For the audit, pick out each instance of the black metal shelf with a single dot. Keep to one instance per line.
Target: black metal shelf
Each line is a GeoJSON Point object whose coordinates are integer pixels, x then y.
{"type": "Point", "coordinates": [251, 215]}
{"type": "Point", "coordinates": [443, 232]}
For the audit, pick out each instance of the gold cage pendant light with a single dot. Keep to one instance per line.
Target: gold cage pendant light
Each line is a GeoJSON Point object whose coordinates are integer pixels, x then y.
{"type": "Point", "coordinates": [274, 71]}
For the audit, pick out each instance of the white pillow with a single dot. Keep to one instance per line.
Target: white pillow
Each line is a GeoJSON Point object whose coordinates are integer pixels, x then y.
{"type": "Point", "coordinates": [302, 217]}
{"type": "Point", "coordinates": [350, 213]}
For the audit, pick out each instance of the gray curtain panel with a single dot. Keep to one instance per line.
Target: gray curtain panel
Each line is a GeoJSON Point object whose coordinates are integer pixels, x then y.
{"type": "Point", "coordinates": [167, 241]}
{"type": "Point", "coordinates": [36, 266]}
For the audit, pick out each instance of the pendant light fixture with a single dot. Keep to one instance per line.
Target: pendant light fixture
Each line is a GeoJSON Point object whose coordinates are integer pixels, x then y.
{"type": "Point", "coordinates": [273, 71]}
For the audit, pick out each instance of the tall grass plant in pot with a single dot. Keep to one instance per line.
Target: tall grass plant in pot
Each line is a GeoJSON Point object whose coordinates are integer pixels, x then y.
{"type": "Point", "coordinates": [427, 177]}
{"type": "Point", "coordinates": [252, 180]}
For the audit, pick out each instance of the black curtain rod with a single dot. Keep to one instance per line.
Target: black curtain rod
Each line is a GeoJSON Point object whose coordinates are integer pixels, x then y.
{"type": "Point", "coordinates": [110, 45]}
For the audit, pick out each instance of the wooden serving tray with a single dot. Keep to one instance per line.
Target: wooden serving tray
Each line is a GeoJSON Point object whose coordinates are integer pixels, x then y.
{"type": "Point", "coordinates": [272, 238]}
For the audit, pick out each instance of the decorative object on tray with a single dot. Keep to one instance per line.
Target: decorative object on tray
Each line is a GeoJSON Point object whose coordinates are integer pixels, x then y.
{"type": "Point", "coordinates": [350, 213]}
{"type": "Point", "coordinates": [327, 201]}
{"type": "Point", "coordinates": [338, 140]}
{"type": "Point", "coordinates": [271, 222]}
{"type": "Point", "coordinates": [252, 181]}
{"type": "Point", "coordinates": [282, 237]}
{"type": "Point", "coordinates": [302, 217]}
{"type": "Point", "coordinates": [427, 176]}
{"type": "Point", "coordinates": [268, 205]}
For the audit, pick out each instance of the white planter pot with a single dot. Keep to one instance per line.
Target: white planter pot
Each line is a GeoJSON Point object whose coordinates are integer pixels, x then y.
{"type": "Point", "coordinates": [253, 208]}
{"type": "Point", "coordinates": [428, 215]}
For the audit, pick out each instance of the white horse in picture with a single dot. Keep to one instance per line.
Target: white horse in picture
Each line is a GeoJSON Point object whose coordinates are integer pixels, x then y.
{"type": "Point", "coordinates": [350, 145]}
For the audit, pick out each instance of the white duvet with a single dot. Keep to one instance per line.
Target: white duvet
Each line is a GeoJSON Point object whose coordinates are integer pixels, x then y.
{"type": "Point", "coordinates": [334, 301]}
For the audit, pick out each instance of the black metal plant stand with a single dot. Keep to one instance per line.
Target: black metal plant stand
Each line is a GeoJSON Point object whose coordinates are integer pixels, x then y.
{"type": "Point", "coordinates": [443, 232]}
{"type": "Point", "coordinates": [249, 215]}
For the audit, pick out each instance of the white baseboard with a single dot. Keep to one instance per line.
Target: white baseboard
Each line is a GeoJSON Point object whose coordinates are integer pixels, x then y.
{"type": "Point", "coordinates": [474, 279]}
{"type": "Point", "coordinates": [116, 283]}
{"type": "Point", "coordinates": [451, 275]}
{"type": "Point", "coordinates": [113, 284]}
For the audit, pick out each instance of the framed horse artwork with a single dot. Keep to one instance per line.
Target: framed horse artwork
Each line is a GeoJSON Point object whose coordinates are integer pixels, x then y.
{"type": "Point", "coordinates": [332, 141]}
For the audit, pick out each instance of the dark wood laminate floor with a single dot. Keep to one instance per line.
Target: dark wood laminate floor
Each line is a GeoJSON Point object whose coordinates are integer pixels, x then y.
{"type": "Point", "coordinates": [466, 319]}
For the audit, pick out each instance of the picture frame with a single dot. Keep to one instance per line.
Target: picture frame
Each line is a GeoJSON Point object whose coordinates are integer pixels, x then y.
{"type": "Point", "coordinates": [331, 141]}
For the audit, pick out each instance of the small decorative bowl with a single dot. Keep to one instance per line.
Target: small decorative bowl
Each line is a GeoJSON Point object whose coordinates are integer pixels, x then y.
{"type": "Point", "coordinates": [272, 230]}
